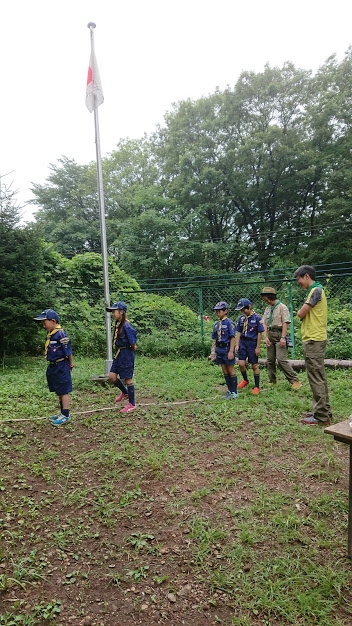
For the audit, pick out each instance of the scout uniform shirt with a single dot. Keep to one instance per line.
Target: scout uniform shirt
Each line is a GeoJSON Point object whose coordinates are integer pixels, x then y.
{"type": "Point", "coordinates": [276, 316]}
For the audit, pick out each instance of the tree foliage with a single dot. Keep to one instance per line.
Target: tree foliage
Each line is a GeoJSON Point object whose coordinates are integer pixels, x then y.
{"type": "Point", "coordinates": [248, 177]}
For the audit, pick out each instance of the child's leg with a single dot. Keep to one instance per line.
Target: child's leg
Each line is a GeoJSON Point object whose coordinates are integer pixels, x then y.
{"type": "Point", "coordinates": [255, 368]}
{"type": "Point", "coordinates": [65, 403]}
{"type": "Point", "coordinates": [130, 391]}
{"type": "Point", "coordinates": [232, 378]}
{"type": "Point", "coordinates": [226, 376]}
{"type": "Point", "coordinates": [118, 383]}
{"type": "Point", "coordinates": [243, 369]}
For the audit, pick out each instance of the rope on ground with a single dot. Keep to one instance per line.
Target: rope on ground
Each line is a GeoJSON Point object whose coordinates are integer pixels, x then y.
{"type": "Point", "coordinates": [106, 408]}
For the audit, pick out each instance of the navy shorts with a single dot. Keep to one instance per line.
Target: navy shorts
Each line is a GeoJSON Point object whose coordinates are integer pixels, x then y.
{"type": "Point", "coordinates": [246, 350]}
{"type": "Point", "coordinates": [59, 377]}
{"type": "Point", "coordinates": [221, 357]}
{"type": "Point", "coordinates": [123, 364]}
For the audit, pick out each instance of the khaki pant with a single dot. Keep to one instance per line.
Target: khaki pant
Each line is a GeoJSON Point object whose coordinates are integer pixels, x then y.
{"type": "Point", "coordinates": [314, 353]}
{"type": "Point", "coordinates": [278, 353]}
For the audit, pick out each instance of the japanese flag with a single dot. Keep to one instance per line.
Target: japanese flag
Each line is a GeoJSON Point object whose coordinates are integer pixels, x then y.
{"type": "Point", "coordinates": [94, 93]}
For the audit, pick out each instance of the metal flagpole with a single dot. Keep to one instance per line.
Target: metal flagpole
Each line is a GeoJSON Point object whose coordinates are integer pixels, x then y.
{"type": "Point", "coordinates": [104, 248]}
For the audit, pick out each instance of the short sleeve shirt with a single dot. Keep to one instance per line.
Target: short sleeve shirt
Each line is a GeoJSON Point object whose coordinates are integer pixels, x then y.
{"type": "Point", "coordinates": [59, 346]}
{"type": "Point", "coordinates": [128, 336]}
{"type": "Point", "coordinates": [224, 330]}
{"type": "Point", "coordinates": [251, 326]}
{"type": "Point", "coordinates": [281, 315]}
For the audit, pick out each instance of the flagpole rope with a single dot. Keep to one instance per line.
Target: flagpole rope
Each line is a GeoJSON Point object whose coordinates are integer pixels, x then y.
{"type": "Point", "coordinates": [107, 408]}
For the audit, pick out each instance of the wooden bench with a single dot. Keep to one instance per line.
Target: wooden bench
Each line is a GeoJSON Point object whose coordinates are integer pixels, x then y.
{"type": "Point", "coordinates": [342, 432]}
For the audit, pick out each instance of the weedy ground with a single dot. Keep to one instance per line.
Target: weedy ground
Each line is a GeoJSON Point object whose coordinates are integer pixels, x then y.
{"type": "Point", "coordinates": [209, 512]}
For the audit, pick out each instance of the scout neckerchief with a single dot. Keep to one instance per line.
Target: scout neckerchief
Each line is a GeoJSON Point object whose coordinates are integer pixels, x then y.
{"type": "Point", "coordinates": [313, 286]}
{"type": "Point", "coordinates": [50, 334]}
{"type": "Point", "coordinates": [219, 327]}
{"type": "Point", "coordinates": [245, 325]}
{"type": "Point", "coordinates": [272, 311]}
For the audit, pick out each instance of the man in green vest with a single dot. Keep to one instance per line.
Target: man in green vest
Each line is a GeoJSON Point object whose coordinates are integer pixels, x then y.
{"type": "Point", "coordinates": [314, 316]}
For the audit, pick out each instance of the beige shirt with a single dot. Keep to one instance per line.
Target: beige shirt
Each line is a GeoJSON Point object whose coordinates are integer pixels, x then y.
{"type": "Point", "coordinates": [281, 315]}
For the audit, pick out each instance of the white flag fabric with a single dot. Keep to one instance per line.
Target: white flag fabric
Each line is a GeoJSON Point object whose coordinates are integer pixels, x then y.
{"type": "Point", "coordinates": [94, 93]}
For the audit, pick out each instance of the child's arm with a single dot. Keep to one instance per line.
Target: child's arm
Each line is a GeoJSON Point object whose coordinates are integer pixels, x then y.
{"type": "Point", "coordinates": [259, 340]}
{"type": "Point", "coordinates": [266, 338]}
{"type": "Point", "coordinates": [212, 355]}
{"type": "Point", "coordinates": [231, 349]}
{"type": "Point", "coordinates": [238, 337]}
{"type": "Point", "coordinates": [70, 360]}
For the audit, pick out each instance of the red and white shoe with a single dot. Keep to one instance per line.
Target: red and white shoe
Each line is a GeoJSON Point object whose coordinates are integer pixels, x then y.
{"type": "Point", "coordinates": [121, 397]}
{"type": "Point", "coordinates": [128, 408]}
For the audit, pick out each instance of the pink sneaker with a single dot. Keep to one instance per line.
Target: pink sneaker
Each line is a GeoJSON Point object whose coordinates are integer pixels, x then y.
{"type": "Point", "coordinates": [121, 397]}
{"type": "Point", "coordinates": [128, 408]}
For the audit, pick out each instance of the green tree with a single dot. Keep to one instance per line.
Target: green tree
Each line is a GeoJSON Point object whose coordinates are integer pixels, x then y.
{"type": "Point", "coordinates": [21, 276]}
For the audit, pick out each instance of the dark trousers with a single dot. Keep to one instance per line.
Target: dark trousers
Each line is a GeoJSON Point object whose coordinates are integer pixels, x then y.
{"type": "Point", "coordinates": [314, 354]}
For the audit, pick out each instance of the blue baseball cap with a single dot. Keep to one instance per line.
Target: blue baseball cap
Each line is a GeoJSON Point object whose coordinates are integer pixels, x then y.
{"type": "Point", "coordinates": [117, 305]}
{"type": "Point", "coordinates": [48, 314]}
{"type": "Point", "coordinates": [243, 303]}
{"type": "Point", "coordinates": [220, 305]}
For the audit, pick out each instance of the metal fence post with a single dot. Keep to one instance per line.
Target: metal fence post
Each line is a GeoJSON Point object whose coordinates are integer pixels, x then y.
{"type": "Point", "coordinates": [200, 295]}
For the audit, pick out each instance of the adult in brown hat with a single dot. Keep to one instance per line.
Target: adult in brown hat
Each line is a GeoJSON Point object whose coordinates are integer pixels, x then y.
{"type": "Point", "coordinates": [276, 319]}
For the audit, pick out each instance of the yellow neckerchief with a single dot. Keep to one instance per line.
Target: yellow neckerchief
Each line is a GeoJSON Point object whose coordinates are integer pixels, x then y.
{"type": "Point", "coordinates": [219, 327]}
{"type": "Point", "coordinates": [50, 334]}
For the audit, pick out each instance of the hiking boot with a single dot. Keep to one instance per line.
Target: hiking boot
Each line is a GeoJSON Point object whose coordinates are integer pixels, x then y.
{"type": "Point", "coordinates": [231, 395]}
{"type": "Point", "coordinates": [296, 385]}
{"type": "Point", "coordinates": [128, 408]}
{"type": "Point", "coordinates": [310, 420]}
{"type": "Point", "coordinates": [60, 419]}
{"type": "Point", "coordinates": [242, 384]}
{"type": "Point", "coordinates": [121, 396]}
{"type": "Point", "coordinates": [255, 391]}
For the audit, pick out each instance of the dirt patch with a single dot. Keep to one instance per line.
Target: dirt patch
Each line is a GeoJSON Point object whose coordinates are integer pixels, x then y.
{"type": "Point", "coordinates": [162, 517]}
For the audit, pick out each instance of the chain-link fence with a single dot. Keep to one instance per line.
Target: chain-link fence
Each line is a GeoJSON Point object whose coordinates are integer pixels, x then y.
{"type": "Point", "coordinates": [201, 298]}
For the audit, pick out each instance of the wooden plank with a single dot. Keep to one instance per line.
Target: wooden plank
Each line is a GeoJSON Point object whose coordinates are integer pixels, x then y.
{"type": "Point", "coordinates": [341, 431]}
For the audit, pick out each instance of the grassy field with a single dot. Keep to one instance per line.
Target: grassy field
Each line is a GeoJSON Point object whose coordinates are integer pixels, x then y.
{"type": "Point", "coordinates": [191, 510]}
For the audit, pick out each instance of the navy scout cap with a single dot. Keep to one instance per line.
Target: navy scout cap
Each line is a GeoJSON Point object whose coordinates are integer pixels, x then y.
{"type": "Point", "coordinates": [243, 303]}
{"type": "Point", "coordinates": [220, 305]}
{"type": "Point", "coordinates": [48, 314]}
{"type": "Point", "coordinates": [117, 305]}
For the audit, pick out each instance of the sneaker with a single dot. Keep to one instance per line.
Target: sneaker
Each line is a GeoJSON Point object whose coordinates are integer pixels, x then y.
{"type": "Point", "coordinates": [121, 397]}
{"type": "Point", "coordinates": [231, 396]}
{"type": "Point", "coordinates": [228, 393]}
{"type": "Point", "coordinates": [60, 419]}
{"type": "Point", "coordinates": [52, 418]}
{"type": "Point", "coordinates": [271, 384]}
{"type": "Point", "coordinates": [128, 408]}
{"type": "Point", "coordinates": [310, 420]}
{"type": "Point", "coordinates": [296, 385]}
{"type": "Point", "coordinates": [242, 384]}
{"type": "Point", "coordinates": [255, 391]}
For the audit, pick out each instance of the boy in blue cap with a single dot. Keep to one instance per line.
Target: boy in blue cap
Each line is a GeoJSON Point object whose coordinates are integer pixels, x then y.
{"type": "Point", "coordinates": [124, 340]}
{"type": "Point", "coordinates": [248, 337]}
{"type": "Point", "coordinates": [223, 348]}
{"type": "Point", "coordinates": [58, 353]}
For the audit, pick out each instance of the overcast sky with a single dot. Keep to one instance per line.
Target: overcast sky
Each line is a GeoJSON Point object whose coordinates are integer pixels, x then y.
{"type": "Point", "coordinates": [150, 53]}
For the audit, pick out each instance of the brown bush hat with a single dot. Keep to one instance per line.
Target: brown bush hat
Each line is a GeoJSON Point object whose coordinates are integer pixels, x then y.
{"type": "Point", "coordinates": [268, 291]}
